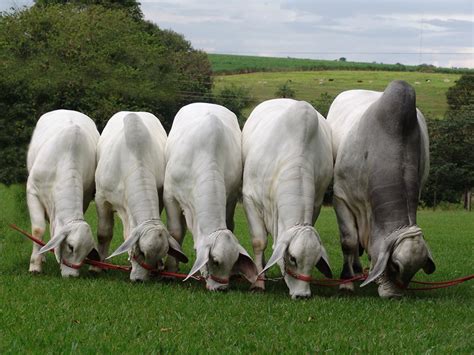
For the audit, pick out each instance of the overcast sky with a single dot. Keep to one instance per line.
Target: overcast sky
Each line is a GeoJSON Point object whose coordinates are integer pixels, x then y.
{"type": "Point", "coordinates": [438, 32]}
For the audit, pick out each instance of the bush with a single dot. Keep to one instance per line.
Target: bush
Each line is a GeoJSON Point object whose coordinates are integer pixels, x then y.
{"type": "Point", "coordinates": [323, 103]}
{"type": "Point", "coordinates": [91, 59]}
{"type": "Point", "coordinates": [235, 98]}
{"type": "Point", "coordinates": [285, 91]}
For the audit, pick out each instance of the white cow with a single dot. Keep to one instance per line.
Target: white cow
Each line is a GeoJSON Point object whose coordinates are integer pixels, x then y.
{"type": "Point", "coordinates": [61, 165]}
{"type": "Point", "coordinates": [286, 147]}
{"type": "Point", "coordinates": [381, 152]}
{"type": "Point", "coordinates": [129, 178]}
{"type": "Point", "coordinates": [203, 177]}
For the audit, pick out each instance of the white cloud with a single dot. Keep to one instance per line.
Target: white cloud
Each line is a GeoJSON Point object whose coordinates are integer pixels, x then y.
{"type": "Point", "coordinates": [383, 31]}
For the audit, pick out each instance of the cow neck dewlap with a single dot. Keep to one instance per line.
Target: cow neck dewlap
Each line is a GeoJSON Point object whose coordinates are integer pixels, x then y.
{"type": "Point", "coordinates": [294, 200]}
{"type": "Point", "coordinates": [68, 197]}
{"type": "Point", "coordinates": [209, 202]}
{"type": "Point", "coordinates": [141, 195]}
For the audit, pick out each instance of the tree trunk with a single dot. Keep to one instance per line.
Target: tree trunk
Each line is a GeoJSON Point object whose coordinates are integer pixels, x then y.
{"type": "Point", "coordinates": [467, 199]}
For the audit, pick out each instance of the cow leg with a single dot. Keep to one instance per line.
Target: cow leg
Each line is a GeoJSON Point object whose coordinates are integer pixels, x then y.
{"type": "Point", "coordinates": [38, 227]}
{"type": "Point", "coordinates": [349, 242]}
{"type": "Point", "coordinates": [105, 229]}
{"type": "Point", "coordinates": [258, 234]}
{"type": "Point", "coordinates": [176, 227]}
{"type": "Point", "coordinates": [230, 210]}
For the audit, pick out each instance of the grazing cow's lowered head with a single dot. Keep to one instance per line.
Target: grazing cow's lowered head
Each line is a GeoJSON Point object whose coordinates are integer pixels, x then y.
{"type": "Point", "coordinates": [400, 256]}
{"type": "Point", "coordinates": [148, 244]}
{"type": "Point", "coordinates": [219, 256]}
{"type": "Point", "coordinates": [297, 251]}
{"type": "Point", "coordinates": [72, 243]}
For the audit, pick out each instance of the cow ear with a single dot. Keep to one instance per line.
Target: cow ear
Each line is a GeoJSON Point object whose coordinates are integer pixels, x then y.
{"type": "Point", "coordinates": [323, 264]}
{"type": "Point", "coordinates": [277, 255]}
{"type": "Point", "coordinates": [175, 250]}
{"type": "Point", "coordinates": [54, 243]}
{"type": "Point", "coordinates": [127, 245]}
{"type": "Point", "coordinates": [202, 257]}
{"type": "Point", "coordinates": [429, 266]}
{"type": "Point", "coordinates": [379, 267]}
{"type": "Point", "coordinates": [245, 266]}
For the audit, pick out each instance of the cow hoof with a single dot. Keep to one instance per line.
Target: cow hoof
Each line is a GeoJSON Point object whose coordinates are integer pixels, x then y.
{"type": "Point", "coordinates": [347, 287]}
{"type": "Point", "coordinates": [257, 289]}
{"type": "Point", "coordinates": [258, 286]}
{"type": "Point", "coordinates": [95, 269]}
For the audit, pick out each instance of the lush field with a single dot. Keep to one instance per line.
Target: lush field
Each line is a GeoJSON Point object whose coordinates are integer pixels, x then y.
{"type": "Point", "coordinates": [232, 64]}
{"type": "Point", "coordinates": [309, 85]}
{"type": "Point", "coordinates": [106, 313]}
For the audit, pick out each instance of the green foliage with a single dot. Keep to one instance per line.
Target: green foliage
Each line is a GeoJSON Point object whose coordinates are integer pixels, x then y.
{"type": "Point", "coordinates": [94, 60]}
{"type": "Point", "coordinates": [461, 94]}
{"type": "Point", "coordinates": [240, 64]}
{"type": "Point", "coordinates": [106, 313]}
{"type": "Point", "coordinates": [451, 146]}
{"type": "Point", "coordinates": [285, 90]}
{"type": "Point", "coordinates": [235, 98]}
{"type": "Point", "coordinates": [323, 103]}
{"type": "Point", "coordinates": [430, 88]}
{"type": "Point", "coordinates": [132, 7]}
{"type": "Point", "coordinates": [452, 157]}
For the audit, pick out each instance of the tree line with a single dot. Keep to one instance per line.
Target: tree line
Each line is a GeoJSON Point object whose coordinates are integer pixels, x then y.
{"type": "Point", "coordinates": [101, 56]}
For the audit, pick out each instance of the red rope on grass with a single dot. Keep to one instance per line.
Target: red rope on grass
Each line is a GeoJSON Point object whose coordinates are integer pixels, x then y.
{"type": "Point", "coordinates": [320, 282]}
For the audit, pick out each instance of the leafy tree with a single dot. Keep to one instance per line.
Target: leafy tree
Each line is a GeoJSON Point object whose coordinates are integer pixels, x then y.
{"type": "Point", "coordinates": [451, 157]}
{"type": "Point", "coordinates": [132, 7]}
{"type": "Point", "coordinates": [235, 98]}
{"type": "Point", "coordinates": [94, 60]}
{"type": "Point", "coordinates": [461, 94]}
{"type": "Point", "coordinates": [285, 91]}
{"type": "Point", "coordinates": [451, 147]}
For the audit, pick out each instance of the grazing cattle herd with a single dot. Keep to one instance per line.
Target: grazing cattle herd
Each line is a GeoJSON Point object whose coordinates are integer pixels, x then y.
{"type": "Point", "coordinates": [373, 145]}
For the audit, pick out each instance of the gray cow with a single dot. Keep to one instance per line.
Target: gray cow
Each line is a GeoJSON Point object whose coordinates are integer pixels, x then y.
{"type": "Point", "coordinates": [381, 153]}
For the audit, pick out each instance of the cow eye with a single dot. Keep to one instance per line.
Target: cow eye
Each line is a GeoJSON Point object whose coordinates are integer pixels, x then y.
{"type": "Point", "coordinates": [292, 260]}
{"type": "Point", "coordinates": [215, 262]}
{"type": "Point", "coordinates": [70, 248]}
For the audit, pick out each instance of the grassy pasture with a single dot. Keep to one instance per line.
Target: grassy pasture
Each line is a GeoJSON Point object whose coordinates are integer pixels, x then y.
{"type": "Point", "coordinates": [232, 64]}
{"type": "Point", "coordinates": [309, 85]}
{"type": "Point", "coordinates": [106, 313]}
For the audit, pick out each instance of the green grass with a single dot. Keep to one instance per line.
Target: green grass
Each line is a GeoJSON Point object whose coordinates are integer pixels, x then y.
{"type": "Point", "coordinates": [107, 313]}
{"type": "Point", "coordinates": [309, 85]}
{"type": "Point", "coordinates": [232, 64]}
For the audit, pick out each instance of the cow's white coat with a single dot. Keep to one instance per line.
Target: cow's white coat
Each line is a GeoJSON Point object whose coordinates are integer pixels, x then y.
{"type": "Point", "coordinates": [203, 177]}
{"type": "Point", "coordinates": [61, 165]}
{"type": "Point", "coordinates": [288, 164]}
{"type": "Point", "coordinates": [129, 178]}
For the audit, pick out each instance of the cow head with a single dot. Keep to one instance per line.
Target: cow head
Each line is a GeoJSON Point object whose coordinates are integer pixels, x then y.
{"type": "Point", "coordinates": [401, 255]}
{"type": "Point", "coordinates": [219, 256]}
{"type": "Point", "coordinates": [148, 244]}
{"type": "Point", "coordinates": [72, 243]}
{"type": "Point", "coordinates": [297, 251]}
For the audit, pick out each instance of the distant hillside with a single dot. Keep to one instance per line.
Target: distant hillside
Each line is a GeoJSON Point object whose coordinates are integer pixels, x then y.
{"type": "Point", "coordinates": [240, 64]}
{"type": "Point", "coordinates": [310, 85]}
